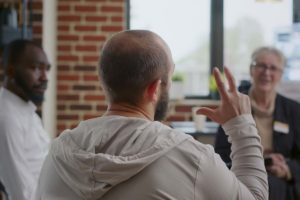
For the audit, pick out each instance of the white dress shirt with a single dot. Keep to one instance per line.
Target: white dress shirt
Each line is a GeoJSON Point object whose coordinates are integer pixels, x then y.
{"type": "Point", "coordinates": [23, 146]}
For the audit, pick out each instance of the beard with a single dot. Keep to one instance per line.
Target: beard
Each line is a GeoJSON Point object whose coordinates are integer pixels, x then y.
{"type": "Point", "coordinates": [36, 98]}
{"type": "Point", "coordinates": [162, 106]}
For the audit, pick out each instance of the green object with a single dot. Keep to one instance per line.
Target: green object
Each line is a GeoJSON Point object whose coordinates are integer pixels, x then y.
{"type": "Point", "coordinates": [212, 84]}
{"type": "Point", "coordinates": [213, 89]}
{"type": "Point", "coordinates": [178, 77]}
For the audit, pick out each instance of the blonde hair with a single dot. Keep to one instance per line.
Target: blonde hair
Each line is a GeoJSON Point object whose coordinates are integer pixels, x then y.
{"type": "Point", "coordinates": [268, 49]}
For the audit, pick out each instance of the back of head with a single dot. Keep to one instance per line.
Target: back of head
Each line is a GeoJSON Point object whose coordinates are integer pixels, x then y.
{"type": "Point", "coordinates": [131, 60]}
{"type": "Point", "coordinates": [14, 51]}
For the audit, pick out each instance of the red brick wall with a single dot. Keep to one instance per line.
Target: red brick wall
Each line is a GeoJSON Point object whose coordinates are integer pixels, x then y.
{"type": "Point", "coordinates": [37, 18]}
{"type": "Point", "coordinates": [83, 26]}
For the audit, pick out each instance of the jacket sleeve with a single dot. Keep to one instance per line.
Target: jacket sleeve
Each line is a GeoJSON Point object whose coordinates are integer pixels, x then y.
{"type": "Point", "coordinates": [14, 175]}
{"type": "Point", "coordinates": [294, 160]}
{"type": "Point", "coordinates": [247, 178]}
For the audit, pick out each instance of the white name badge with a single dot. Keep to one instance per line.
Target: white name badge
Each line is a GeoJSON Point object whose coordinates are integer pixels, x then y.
{"type": "Point", "coordinates": [281, 127]}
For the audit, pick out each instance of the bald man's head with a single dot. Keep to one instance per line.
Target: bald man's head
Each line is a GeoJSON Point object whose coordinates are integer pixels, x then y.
{"type": "Point", "coordinates": [130, 61]}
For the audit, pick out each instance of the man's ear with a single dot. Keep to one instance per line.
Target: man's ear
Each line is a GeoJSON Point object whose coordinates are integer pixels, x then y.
{"type": "Point", "coordinates": [152, 92]}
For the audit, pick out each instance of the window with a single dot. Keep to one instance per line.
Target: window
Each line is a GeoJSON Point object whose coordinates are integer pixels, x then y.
{"type": "Point", "coordinates": [185, 26]}
{"type": "Point", "coordinates": [249, 24]}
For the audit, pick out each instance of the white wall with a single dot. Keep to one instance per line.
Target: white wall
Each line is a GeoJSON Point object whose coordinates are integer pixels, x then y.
{"type": "Point", "coordinates": [290, 89]}
{"type": "Point", "coordinates": [49, 45]}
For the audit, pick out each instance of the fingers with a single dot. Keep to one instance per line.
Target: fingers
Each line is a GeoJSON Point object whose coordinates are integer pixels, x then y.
{"type": "Point", "coordinates": [220, 84]}
{"type": "Point", "coordinates": [230, 79]}
{"type": "Point", "coordinates": [210, 113]}
{"type": "Point", "coordinates": [277, 157]}
{"type": "Point", "coordinates": [280, 170]}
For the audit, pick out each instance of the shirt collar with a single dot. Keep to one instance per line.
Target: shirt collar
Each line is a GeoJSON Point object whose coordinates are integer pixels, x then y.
{"type": "Point", "coordinates": [17, 100]}
{"type": "Point", "coordinates": [260, 111]}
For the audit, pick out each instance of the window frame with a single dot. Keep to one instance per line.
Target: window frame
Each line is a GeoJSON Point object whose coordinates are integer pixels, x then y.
{"type": "Point", "coordinates": [216, 35]}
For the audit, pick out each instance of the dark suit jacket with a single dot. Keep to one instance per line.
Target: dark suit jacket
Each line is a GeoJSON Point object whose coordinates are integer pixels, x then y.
{"type": "Point", "coordinates": [288, 144]}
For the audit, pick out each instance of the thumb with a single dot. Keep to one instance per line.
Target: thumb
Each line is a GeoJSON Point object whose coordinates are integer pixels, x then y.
{"type": "Point", "coordinates": [210, 113]}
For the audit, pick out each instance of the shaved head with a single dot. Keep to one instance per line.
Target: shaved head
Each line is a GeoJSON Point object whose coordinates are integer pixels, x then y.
{"type": "Point", "coordinates": [130, 61]}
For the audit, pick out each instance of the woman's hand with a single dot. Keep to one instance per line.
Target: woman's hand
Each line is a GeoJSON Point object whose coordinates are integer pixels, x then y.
{"type": "Point", "coordinates": [233, 103]}
{"type": "Point", "coordinates": [279, 167]}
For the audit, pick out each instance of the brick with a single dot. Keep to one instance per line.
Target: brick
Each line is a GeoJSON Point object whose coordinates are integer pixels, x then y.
{"type": "Point", "coordinates": [183, 108]}
{"type": "Point", "coordinates": [80, 107]}
{"type": "Point", "coordinates": [85, 117]}
{"type": "Point", "coordinates": [85, 68]}
{"type": "Point", "coordinates": [92, 48]}
{"type": "Point", "coordinates": [96, 0]}
{"type": "Point", "coordinates": [117, 19]}
{"type": "Point", "coordinates": [61, 68]}
{"type": "Point", "coordinates": [64, 48]}
{"type": "Point", "coordinates": [112, 9]}
{"type": "Point", "coordinates": [68, 77]}
{"type": "Point", "coordinates": [112, 28]}
{"type": "Point", "coordinates": [80, 37]}
{"type": "Point", "coordinates": [84, 8]}
{"type": "Point", "coordinates": [61, 126]}
{"type": "Point", "coordinates": [68, 58]}
{"type": "Point", "coordinates": [64, 7]}
{"type": "Point", "coordinates": [73, 126]}
{"type": "Point", "coordinates": [90, 78]}
{"type": "Point", "coordinates": [94, 97]}
{"type": "Point", "coordinates": [61, 87]}
{"type": "Point", "coordinates": [69, 18]}
{"type": "Point", "coordinates": [85, 28]}
{"type": "Point", "coordinates": [68, 37]}
{"type": "Point", "coordinates": [67, 117]}
{"type": "Point", "coordinates": [60, 129]}
{"type": "Point", "coordinates": [99, 38]}
{"type": "Point", "coordinates": [68, 97]}
{"type": "Point", "coordinates": [96, 18]}
{"type": "Point", "coordinates": [84, 87]}
{"type": "Point", "coordinates": [90, 58]}
{"type": "Point", "coordinates": [61, 107]}
{"type": "Point", "coordinates": [37, 29]}
{"type": "Point", "coordinates": [176, 118]}
{"type": "Point", "coordinates": [37, 5]}
{"type": "Point", "coordinates": [63, 28]}
{"type": "Point", "coordinates": [37, 17]}
{"type": "Point", "coordinates": [101, 107]}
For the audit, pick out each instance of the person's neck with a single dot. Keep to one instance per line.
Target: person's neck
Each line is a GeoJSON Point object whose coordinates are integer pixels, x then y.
{"type": "Point", "coordinates": [127, 110]}
{"type": "Point", "coordinates": [263, 99]}
{"type": "Point", "coordinates": [12, 87]}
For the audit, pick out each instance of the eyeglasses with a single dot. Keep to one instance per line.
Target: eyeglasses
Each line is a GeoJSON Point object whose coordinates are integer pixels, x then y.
{"type": "Point", "coordinates": [261, 67]}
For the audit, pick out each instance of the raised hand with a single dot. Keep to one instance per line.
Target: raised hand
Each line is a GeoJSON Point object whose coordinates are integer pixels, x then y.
{"type": "Point", "coordinates": [232, 104]}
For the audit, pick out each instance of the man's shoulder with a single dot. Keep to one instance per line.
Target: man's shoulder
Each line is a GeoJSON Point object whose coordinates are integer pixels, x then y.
{"type": "Point", "coordinates": [11, 118]}
{"type": "Point", "coordinates": [10, 123]}
{"type": "Point", "coordinates": [9, 112]}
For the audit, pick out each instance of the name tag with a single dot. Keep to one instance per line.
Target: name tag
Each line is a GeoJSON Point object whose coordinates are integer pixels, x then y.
{"type": "Point", "coordinates": [281, 127]}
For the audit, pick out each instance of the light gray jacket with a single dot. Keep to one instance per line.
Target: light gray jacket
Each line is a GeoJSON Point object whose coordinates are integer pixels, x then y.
{"type": "Point", "coordinates": [116, 157]}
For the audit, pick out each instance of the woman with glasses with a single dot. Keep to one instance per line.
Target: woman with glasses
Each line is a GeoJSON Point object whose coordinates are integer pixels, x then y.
{"type": "Point", "coordinates": [278, 122]}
